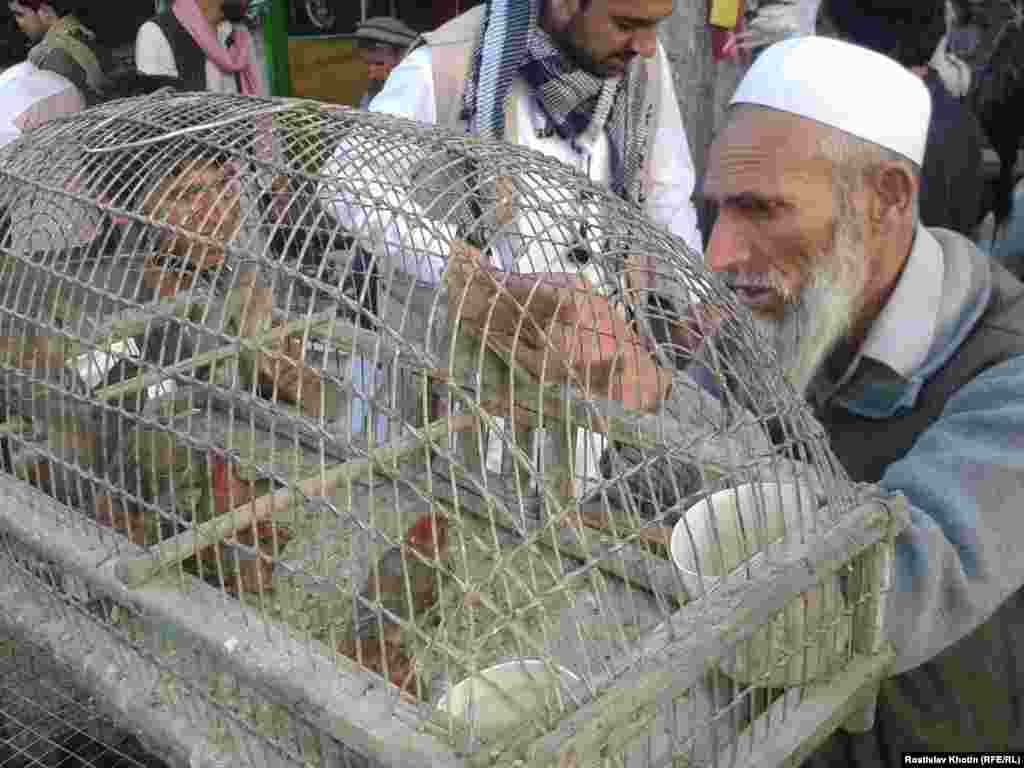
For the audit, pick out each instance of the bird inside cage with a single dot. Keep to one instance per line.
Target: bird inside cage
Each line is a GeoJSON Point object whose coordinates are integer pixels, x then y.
{"type": "Point", "coordinates": [207, 224]}
{"type": "Point", "coordinates": [375, 638]}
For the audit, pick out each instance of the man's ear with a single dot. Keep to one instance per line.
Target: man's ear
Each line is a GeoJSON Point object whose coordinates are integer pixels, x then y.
{"type": "Point", "coordinates": [894, 187]}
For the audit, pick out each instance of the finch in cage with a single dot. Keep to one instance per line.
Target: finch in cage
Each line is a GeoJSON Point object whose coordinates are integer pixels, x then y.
{"type": "Point", "coordinates": [375, 639]}
{"type": "Point", "coordinates": [253, 571]}
{"type": "Point", "coordinates": [34, 397]}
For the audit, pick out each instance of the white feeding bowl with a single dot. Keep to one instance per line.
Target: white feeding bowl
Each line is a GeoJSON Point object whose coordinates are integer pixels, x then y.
{"type": "Point", "coordinates": [508, 694]}
{"type": "Point", "coordinates": [747, 525]}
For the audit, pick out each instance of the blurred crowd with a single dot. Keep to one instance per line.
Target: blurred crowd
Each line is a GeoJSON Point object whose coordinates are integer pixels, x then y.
{"type": "Point", "coordinates": [80, 53]}
{"type": "Point", "coordinates": [71, 54]}
{"type": "Point", "coordinates": [961, 49]}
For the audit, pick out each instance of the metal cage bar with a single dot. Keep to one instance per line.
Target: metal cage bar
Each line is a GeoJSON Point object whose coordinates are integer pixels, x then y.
{"type": "Point", "coordinates": [294, 483]}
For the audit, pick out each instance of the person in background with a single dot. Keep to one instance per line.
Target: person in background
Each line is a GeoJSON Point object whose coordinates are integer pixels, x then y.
{"type": "Point", "coordinates": [205, 44]}
{"type": "Point", "coordinates": [382, 42]}
{"type": "Point", "coordinates": [1008, 246]}
{"type": "Point", "coordinates": [952, 181]}
{"type": "Point", "coordinates": [997, 98]}
{"type": "Point", "coordinates": [30, 96]}
{"type": "Point", "coordinates": [585, 82]}
{"type": "Point", "coordinates": [575, 80]}
{"type": "Point", "coordinates": [26, 346]}
{"type": "Point", "coordinates": [190, 209]}
{"type": "Point", "coordinates": [13, 43]}
{"type": "Point", "coordinates": [62, 44]}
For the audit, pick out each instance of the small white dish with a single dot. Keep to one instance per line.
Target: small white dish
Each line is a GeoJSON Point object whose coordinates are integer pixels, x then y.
{"type": "Point", "coordinates": [508, 693]}
{"type": "Point", "coordinates": [747, 525]}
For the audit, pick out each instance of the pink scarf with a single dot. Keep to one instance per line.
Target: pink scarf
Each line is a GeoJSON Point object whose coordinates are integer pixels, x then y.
{"type": "Point", "coordinates": [234, 59]}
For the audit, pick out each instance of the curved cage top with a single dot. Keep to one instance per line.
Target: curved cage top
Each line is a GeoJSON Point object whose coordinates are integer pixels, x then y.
{"type": "Point", "coordinates": [373, 379]}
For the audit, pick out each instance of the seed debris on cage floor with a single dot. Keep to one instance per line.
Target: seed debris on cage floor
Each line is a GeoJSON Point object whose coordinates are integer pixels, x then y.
{"type": "Point", "coordinates": [46, 722]}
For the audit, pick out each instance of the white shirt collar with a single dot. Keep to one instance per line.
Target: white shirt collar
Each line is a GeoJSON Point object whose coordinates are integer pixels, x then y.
{"type": "Point", "coordinates": [903, 332]}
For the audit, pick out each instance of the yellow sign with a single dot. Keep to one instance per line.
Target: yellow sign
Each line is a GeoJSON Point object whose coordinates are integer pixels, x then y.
{"type": "Point", "coordinates": [724, 13]}
{"type": "Point", "coordinates": [326, 69]}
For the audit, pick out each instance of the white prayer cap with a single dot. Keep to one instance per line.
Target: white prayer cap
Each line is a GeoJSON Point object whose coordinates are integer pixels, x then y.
{"type": "Point", "coordinates": [856, 90]}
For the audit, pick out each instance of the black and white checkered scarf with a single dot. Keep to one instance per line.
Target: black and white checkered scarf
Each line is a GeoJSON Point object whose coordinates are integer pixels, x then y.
{"type": "Point", "coordinates": [513, 45]}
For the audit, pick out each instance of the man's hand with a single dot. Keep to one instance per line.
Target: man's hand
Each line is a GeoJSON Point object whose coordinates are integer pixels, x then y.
{"type": "Point", "coordinates": [696, 324]}
{"type": "Point", "coordinates": [556, 327]}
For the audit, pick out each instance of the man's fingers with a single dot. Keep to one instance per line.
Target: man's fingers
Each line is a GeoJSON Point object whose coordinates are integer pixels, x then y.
{"type": "Point", "coordinates": [539, 311]}
{"type": "Point", "coordinates": [469, 296]}
{"type": "Point", "coordinates": [541, 294]}
{"type": "Point", "coordinates": [539, 362]}
{"type": "Point", "coordinates": [486, 300]}
{"type": "Point", "coordinates": [697, 323]}
{"type": "Point", "coordinates": [462, 252]}
{"type": "Point", "coordinates": [463, 262]}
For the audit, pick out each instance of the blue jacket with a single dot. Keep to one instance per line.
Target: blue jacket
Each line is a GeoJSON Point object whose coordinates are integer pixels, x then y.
{"type": "Point", "coordinates": [956, 614]}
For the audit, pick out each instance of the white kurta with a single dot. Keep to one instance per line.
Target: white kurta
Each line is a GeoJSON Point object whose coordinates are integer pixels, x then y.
{"type": "Point", "coordinates": [397, 231]}
{"type": "Point", "coordinates": [374, 199]}
{"type": "Point", "coordinates": [30, 96]}
{"type": "Point", "coordinates": [409, 93]}
{"type": "Point", "coordinates": [41, 220]}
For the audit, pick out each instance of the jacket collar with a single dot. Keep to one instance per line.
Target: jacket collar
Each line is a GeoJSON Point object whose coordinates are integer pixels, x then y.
{"type": "Point", "coordinates": [944, 289]}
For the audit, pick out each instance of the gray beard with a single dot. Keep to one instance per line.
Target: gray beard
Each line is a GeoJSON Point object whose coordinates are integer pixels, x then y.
{"type": "Point", "coordinates": [821, 315]}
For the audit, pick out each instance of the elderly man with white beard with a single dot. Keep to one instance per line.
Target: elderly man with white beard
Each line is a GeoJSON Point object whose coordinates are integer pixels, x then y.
{"type": "Point", "coordinates": [909, 344]}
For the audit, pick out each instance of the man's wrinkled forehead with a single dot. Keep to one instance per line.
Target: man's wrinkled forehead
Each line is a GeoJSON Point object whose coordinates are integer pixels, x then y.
{"type": "Point", "coordinates": [764, 149]}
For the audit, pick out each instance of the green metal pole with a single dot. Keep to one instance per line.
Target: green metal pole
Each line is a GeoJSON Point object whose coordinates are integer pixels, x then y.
{"type": "Point", "coordinates": [275, 36]}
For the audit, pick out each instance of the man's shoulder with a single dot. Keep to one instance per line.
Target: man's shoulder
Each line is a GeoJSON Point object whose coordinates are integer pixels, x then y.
{"type": "Point", "coordinates": [998, 334]}
{"type": "Point", "coordinates": [416, 70]}
{"type": "Point", "coordinates": [25, 88]}
{"type": "Point", "coordinates": [60, 62]}
{"type": "Point", "coordinates": [154, 26]}
{"type": "Point", "coordinates": [441, 59]}
{"type": "Point", "coordinates": [967, 256]}
{"type": "Point", "coordinates": [44, 81]}
{"type": "Point", "coordinates": [1006, 308]}
{"type": "Point", "coordinates": [463, 29]}
{"type": "Point", "coordinates": [409, 91]}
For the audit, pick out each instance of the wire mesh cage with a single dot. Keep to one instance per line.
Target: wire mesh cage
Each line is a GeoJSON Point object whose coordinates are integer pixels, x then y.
{"type": "Point", "coordinates": [47, 721]}
{"type": "Point", "coordinates": [355, 439]}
